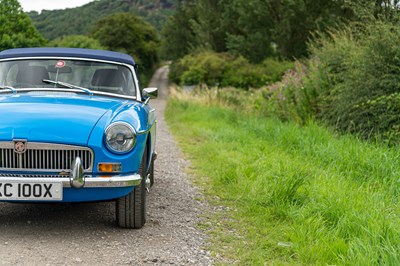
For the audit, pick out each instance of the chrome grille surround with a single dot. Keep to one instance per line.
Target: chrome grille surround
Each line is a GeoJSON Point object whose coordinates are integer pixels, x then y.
{"type": "Point", "coordinates": [2, 175]}
{"type": "Point", "coordinates": [44, 157]}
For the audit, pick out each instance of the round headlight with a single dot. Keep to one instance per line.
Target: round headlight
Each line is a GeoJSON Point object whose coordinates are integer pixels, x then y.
{"type": "Point", "coordinates": [120, 137]}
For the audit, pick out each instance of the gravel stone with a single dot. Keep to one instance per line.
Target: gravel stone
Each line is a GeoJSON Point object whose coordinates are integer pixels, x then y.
{"type": "Point", "coordinates": [86, 233]}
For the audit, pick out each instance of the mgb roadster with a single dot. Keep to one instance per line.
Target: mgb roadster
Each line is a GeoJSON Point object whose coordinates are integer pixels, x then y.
{"type": "Point", "coordinates": [76, 127]}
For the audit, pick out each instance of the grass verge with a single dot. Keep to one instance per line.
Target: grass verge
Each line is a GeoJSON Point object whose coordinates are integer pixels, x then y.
{"type": "Point", "coordinates": [294, 195]}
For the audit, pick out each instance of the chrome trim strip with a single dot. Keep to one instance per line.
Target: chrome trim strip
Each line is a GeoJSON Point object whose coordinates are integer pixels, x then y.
{"type": "Point", "coordinates": [8, 88]}
{"type": "Point", "coordinates": [97, 93]}
{"type": "Point", "coordinates": [126, 180]}
{"type": "Point", "coordinates": [11, 175]}
{"type": "Point", "coordinates": [42, 146]}
{"type": "Point", "coordinates": [141, 132]}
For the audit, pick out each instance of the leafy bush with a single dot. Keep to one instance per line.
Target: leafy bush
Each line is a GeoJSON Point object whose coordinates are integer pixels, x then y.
{"type": "Point", "coordinates": [219, 69]}
{"type": "Point", "coordinates": [205, 68]}
{"type": "Point", "coordinates": [351, 82]}
{"type": "Point", "coordinates": [241, 74]}
{"type": "Point", "coordinates": [380, 117]}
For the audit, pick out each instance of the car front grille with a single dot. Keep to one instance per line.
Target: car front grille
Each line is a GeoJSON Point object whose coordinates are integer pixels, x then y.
{"type": "Point", "coordinates": [45, 157]}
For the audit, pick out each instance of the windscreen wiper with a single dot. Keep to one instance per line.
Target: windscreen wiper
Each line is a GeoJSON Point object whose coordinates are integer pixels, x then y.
{"type": "Point", "coordinates": [2, 87]}
{"type": "Point", "coordinates": [67, 85]}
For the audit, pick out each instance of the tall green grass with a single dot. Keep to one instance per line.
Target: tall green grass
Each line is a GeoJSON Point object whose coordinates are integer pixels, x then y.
{"type": "Point", "coordinates": [294, 195]}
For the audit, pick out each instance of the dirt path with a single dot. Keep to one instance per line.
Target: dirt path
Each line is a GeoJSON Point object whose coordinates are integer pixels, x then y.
{"type": "Point", "coordinates": [86, 234]}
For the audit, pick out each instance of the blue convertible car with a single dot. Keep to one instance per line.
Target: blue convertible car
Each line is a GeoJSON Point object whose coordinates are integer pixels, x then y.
{"type": "Point", "coordinates": [76, 127]}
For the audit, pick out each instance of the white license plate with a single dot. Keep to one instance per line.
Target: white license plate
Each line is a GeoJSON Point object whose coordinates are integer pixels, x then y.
{"type": "Point", "coordinates": [43, 191]}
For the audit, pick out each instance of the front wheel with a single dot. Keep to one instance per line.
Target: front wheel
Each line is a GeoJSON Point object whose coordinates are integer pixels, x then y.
{"type": "Point", "coordinates": [131, 209]}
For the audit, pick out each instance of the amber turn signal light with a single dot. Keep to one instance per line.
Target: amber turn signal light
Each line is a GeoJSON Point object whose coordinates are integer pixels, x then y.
{"type": "Point", "coordinates": [109, 167]}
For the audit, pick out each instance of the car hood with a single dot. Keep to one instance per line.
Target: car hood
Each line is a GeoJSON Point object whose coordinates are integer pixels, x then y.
{"type": "Point", "coordinates": [57, 118]}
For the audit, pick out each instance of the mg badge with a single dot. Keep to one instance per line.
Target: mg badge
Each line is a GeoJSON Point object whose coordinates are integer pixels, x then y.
{"type": "Point", "coordinates": [19, 146]}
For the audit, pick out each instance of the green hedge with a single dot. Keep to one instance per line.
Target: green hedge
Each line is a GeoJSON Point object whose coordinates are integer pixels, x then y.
{"type": "Point", "coordinates": [218, 69]}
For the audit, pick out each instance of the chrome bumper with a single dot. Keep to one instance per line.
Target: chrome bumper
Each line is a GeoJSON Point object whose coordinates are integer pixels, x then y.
{"type": "Point", "coordinates": [88, 181]}
{"type": "Point", "coordinates": [77, 178]}
{"type": "Point", "coordinates": [114, 181]}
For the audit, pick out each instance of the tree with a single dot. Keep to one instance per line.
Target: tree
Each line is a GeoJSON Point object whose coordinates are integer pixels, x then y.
{"type": "Point", "coordinates": [127, 33]}
{"type": "Point", "coordinates": [257, 29]}
{"type": "Point", "coordinates": [241, 27]}
{"type": "Point", "coordinates": [54, 24]}
{"type": "Point", "coordinates": [77, 41]}
{"type": "Point", "coordinates": [249, 29]}
{"type": "Point", "coordinates": [16, 28]}
{"type": "Point", "coordinates": [177, 36]}
{"type": "Point", "coordinates": [207, 25]}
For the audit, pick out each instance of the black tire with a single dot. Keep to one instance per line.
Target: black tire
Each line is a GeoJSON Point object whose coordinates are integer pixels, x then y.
{"type": "Point", "coordinates": [131, 209]}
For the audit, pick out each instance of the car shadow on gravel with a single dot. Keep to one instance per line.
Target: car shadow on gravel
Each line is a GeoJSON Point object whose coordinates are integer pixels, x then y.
{"type": "Point", "coordinates": [70, 216]}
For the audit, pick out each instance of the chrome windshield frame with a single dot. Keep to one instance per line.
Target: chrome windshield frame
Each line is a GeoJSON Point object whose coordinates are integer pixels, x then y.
{"type": "Point", "coordinates": [97, 93]}
{"type": "Point", "coordinates": [138, 96]}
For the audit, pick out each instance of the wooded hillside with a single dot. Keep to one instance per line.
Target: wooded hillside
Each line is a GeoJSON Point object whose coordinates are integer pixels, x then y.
{"type": "Point", "coordinates": [71, 21]}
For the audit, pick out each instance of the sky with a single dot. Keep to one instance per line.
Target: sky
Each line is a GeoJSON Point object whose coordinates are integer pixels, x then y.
{"type": "Point", "coordinates": [38, 5]}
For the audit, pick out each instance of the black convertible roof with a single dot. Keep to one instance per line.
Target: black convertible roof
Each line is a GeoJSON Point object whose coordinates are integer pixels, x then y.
{"type": "Point", "coordinates": [68, 52]}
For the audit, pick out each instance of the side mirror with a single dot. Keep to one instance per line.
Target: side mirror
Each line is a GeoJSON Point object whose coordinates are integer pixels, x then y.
{"type": "Point", "coordinates": [149, 93]}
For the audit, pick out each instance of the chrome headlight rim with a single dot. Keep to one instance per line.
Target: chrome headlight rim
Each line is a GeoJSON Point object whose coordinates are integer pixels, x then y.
{"type": "Point", "coordinates": [120, 123]}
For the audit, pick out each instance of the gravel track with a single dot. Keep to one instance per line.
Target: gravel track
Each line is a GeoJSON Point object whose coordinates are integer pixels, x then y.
{"type": "Point", "coordinates": [86, 234]}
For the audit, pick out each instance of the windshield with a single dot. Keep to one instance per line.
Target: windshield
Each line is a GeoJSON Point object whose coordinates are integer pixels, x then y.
{"type": "Point", "coordinates": [96, 76]}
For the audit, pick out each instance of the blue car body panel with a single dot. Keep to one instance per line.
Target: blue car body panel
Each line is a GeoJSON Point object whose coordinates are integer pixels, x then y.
{"type": "Point", "coordinates": [77, 119]}
{"type": "Point", "coordinates": [59, 118]}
